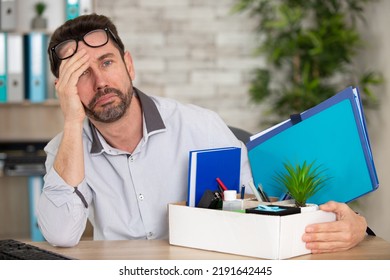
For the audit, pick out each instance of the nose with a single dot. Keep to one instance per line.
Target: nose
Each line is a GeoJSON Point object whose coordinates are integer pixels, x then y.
{"type": "Point", "coordinates": [100, 80]}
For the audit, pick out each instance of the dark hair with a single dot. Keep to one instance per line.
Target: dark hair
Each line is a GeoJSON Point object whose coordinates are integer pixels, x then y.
{"type": "Point", "coordinates": [77, 27]}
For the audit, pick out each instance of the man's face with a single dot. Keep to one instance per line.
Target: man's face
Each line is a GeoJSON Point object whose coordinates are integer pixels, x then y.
{"type": "Point", "coordinates": [105, 89]}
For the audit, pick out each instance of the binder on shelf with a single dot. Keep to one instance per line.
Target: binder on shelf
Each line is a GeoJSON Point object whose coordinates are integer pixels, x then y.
{"type": "Point", "coordinates": [15, 63]}
{"type": "Point", "coordinates": [51, 90]}
{"type": "Point", "coordinates": [85, 7]}
{"type": "Point", "coordinates": [334, 135]}
{"type": "Point", "coordinates": [50, 78]}
{"type": "Point", "coordinates": [35, 184]}
{"type": "Point", "coordinates": [205, 166]}
{"type": "Point", "coordinates": [7, 15]}
{"type": "Point", "coordinates": [3, 67]}
{"type": "Point", "coordinates": [35, 68]}
{"type": "Point", "coordinates": [72, 9]}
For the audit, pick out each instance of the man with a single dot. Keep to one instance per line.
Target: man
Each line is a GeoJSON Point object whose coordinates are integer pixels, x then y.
{"type": "Point", "coordinates": [128, 159]}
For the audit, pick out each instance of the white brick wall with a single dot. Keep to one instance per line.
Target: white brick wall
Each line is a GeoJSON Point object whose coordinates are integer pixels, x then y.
{"type": "Point", "coordinates": [195, 51]}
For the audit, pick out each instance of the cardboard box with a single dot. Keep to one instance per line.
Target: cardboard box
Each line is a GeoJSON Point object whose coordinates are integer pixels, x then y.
{"type": "Point", "coordinates": [261, 236]}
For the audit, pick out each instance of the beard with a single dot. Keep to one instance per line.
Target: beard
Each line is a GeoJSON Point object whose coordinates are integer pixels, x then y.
{"type": "Point", "coordinates": [109, 112]}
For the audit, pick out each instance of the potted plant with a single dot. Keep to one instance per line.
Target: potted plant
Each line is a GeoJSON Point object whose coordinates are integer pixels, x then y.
{"type": "Point", "coordinates": [39, 22]}
{"type": "Point", "coordinates": [310, 46]}
{"type": "Point", "coordinates": [301, 181]}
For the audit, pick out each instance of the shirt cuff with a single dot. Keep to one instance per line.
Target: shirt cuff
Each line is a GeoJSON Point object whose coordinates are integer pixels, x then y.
{"type": "Point", "coordinates": [60, 193]}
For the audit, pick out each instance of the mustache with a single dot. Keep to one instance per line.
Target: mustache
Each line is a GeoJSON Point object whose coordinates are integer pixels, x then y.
{"type": "Point", "coordinates": [101, 93]}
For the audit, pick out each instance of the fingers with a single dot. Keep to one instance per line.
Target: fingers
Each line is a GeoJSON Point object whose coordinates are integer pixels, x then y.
{"type": "Point", "coordinates": [344, 233]}
{"type": "Point", "coordinates": [341, 210]}
{"type": "Point", "coordinates": [321, 242]}
{"type": "Point", "coordinates": [72, 68]}
{"type": "Point", "coordinates": [327, 247]}
{"type": "Point", "coordinates": [333, 206]}
{"type": "Point", "coordinates": [328, 227]}
{"type": "Point", "coordinates": [335, 231]}
{"type": "Point", "coordinates": [70, 71]}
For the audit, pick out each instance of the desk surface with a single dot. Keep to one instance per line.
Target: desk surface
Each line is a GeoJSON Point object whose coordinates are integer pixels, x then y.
{"type": "Point", "coordinates": [371, 248]}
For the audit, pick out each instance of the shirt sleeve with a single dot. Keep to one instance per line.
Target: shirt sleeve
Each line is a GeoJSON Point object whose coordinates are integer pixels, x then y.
{"type": "Point", "coordinates": [62, 213]}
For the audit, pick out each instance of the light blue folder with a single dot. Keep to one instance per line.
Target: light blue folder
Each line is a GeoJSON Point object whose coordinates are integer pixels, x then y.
{"type": "Point", "coordinates": [334, 135]}
{"type": "Point", "coordinates": [3, 67]}
{"type": "Point", "coordinates": [35, 184]}
{"type": "Point", "coordinates": [72, 9]}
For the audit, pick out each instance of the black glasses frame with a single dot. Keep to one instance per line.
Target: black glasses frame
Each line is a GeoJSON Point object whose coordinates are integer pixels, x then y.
{"type": "Point", "coordinates": [81, 38]}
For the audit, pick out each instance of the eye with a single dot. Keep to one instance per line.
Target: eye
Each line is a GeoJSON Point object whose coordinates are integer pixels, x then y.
{"type": "Point", "coordinates": [86, 72]}
{"type": "Point", "coordinates": [107, 63]}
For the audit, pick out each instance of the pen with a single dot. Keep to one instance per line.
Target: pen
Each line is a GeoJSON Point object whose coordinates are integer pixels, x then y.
{"type": "Point", "coordinates": [284, 196]}
{"type": "Point", "coordinates": [220, 188]}
{"type": "Point", "coordinates": [242, 195]}
{"type": "Point", "coordinates": [221, 192]}
{"type": "Point", "coordinates": [262, 193]}
{"type": "Point", "coordinates": [221, 184]}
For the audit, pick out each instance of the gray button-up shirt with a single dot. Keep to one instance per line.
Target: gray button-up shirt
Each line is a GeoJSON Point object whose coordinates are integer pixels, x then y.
{"type": "Point", "coordinates": [127, 194]}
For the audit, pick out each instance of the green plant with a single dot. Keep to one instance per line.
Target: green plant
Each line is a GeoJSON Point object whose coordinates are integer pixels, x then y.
{"type": "Point", "coordinates": [40, 7]}
{"type": "Point", "coordinates": [310, 46]}
{"type": "Point", "coordinates": [301, 181]}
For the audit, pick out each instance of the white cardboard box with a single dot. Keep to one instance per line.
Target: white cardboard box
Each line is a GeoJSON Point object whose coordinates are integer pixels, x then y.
{"type": "Point", "coordinates": [254, 235]}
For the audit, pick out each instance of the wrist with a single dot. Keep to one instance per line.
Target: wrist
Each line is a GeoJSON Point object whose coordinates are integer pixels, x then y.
{"type": "Point", "coordinates": [73, 126]}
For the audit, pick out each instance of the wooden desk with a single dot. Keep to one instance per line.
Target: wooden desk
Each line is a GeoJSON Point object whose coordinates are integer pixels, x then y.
{"type": "Point", "coordinates": [371, 248]}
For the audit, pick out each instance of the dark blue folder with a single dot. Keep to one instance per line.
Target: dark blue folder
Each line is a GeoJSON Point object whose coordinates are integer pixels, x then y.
{"type": "Point", "coordinates": [334, 135]}
{"type": "Point", "coordinates": [207, 165]}
{"type": "Point", "coordinates": [36, 72]}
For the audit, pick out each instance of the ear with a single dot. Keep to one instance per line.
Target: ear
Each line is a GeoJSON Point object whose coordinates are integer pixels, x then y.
{"type": "Point", "coordinates": [129, 65]}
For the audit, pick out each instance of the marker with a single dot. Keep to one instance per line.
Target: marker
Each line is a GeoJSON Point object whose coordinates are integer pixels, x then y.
{"type": "Point", "coordinates": [221, 184]}
{"type": "Point", "coordinates": [262, 193]}
{"type": "Point", "coordinates": [242, 195]}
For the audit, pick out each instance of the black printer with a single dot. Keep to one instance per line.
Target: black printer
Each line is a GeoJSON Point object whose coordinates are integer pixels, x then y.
{"type": "Point", "coordinates": [22, 158]}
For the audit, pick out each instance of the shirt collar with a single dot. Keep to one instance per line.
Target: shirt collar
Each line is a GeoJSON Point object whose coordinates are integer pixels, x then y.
{"type": "Point", "coordinates": [152, 119]}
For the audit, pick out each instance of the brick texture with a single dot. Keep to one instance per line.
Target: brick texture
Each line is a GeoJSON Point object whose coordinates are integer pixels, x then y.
{"type": "Point", "coordinates": [195, 51]}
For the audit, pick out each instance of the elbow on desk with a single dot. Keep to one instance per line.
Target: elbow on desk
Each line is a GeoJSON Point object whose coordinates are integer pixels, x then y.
{"type": "Point", "coordinates": [60, 241]}
{"type": "Point", "coordinates": [60, 228]}
{"type": "Point", "coordinates": [59, 236]}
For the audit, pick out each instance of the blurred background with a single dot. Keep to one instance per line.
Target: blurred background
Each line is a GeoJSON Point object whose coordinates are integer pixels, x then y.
{"type": "Point", "coordinates": [199, 52]}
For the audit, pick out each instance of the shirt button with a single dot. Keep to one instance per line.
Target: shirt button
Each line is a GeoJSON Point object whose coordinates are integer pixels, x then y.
{"type": "Point", "coordinates": [141, 197]}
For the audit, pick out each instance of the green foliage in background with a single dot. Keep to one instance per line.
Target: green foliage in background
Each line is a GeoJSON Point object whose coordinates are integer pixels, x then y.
{"type": "Point", "coordinates": [40, 7]}
{"type": "Point", "coordinates": [312, 45]}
